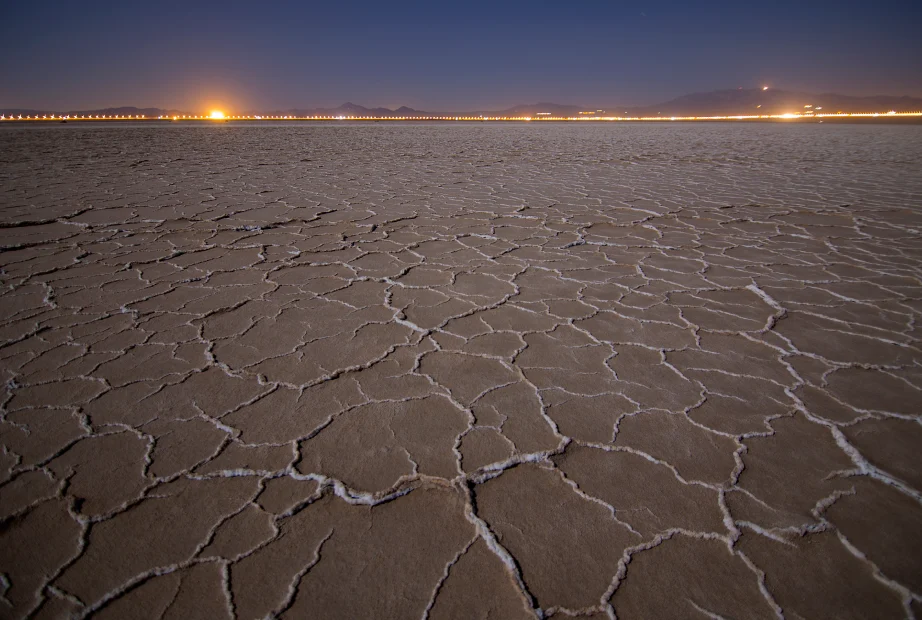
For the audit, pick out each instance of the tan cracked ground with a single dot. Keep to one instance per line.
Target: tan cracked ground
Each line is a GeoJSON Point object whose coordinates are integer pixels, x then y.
{"type": "Point", "coordinates": [461, 371]}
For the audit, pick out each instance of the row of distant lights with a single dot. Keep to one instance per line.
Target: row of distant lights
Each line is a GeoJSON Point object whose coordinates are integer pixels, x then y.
{"type": "Point", "coordinates": [64, 117]}
{"type": "Point", "coordinates": [218, 115]}
{"type": "Point", "coordinates": [810, 112]}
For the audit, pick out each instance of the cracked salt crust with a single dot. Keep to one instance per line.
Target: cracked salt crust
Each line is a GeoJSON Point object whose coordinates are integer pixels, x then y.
{"type": "Point", "coordinates": [451, 371]}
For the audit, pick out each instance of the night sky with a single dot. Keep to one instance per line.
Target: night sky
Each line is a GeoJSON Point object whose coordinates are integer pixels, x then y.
{"type": "Point", "coordinates": [245, 56]}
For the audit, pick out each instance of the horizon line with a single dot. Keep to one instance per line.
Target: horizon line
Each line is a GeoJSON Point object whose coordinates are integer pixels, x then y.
{"type": "Point", "coordinates": [280, 110]}
{"type": "Point", "coordinates": [218, 117]}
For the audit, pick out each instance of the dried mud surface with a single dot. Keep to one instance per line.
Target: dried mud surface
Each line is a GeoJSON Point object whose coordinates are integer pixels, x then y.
{"type": "Point", "coordinates": [461, 371]}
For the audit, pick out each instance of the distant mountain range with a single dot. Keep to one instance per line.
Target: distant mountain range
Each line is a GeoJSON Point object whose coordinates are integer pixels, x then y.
{"type": "Point", "coordinates": [715, 103]}
{"type": "Point", "coordinates": [770, 101]}
{"type": "Point", "coordinates": [347, 109]}
{"type": "Point", "coordinates": [727, 103]}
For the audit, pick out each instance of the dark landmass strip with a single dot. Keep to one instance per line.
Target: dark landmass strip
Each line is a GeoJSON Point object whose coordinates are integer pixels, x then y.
{"type": "Point", "coordinates": [716, 103]}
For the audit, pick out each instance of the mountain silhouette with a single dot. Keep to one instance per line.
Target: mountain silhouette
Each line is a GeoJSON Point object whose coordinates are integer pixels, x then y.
{"type": "Point", "coordinates": [751, 101]}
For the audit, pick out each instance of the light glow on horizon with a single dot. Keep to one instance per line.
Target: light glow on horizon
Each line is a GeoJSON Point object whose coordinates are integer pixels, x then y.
{"type": "Point", "coordinates": [217, 115]}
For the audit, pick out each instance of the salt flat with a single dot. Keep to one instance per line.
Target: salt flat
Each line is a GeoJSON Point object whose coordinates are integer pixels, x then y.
{"type": "Point", "coordinates": [461, 371]}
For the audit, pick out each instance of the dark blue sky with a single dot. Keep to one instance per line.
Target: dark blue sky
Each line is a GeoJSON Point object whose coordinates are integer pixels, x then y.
{"type": "Point", "coordinates": [445, 55]}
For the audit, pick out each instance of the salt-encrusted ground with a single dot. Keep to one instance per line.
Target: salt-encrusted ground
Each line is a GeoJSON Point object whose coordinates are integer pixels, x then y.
{"type": "Point", "coordinates": [461, 371]}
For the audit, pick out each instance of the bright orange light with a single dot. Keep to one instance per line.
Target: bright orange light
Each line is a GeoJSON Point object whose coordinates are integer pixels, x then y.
{"type": "Point", "coordinates": [217, 115]}
{"type": "Point", "coordinates": [765, 88]}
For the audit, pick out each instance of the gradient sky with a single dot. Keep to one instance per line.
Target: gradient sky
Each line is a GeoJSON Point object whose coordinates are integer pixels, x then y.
{"type": "Point", "coordinates": [244, 56]}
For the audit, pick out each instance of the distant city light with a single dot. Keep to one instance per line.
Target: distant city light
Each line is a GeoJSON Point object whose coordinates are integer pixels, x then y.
{"type": "Point", "coordinates": [217, 115]}
{"type": "Point", "coordinates": [765, 88]}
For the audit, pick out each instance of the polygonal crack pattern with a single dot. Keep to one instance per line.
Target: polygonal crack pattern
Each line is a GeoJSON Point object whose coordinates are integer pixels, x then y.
{"type": "Point", "coordinates": [461, 372]}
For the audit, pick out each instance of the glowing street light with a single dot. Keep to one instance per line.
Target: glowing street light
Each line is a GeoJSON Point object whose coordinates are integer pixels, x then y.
{"type": "Point", "coordinates": [217, 115]}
